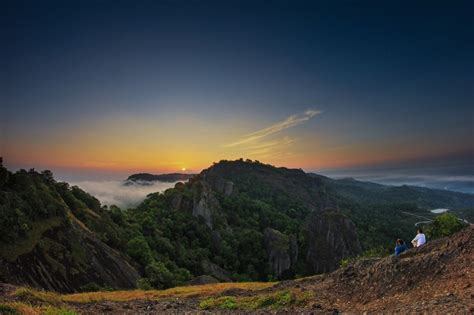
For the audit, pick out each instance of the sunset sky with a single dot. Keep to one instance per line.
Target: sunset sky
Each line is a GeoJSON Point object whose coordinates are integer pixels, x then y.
{"type": "Point", "coordinates": [107, 88]}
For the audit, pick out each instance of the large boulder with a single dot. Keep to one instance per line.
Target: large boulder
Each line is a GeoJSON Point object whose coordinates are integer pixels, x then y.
{"type": "Point", "coordinates": [204, 279]}
{"type": "Point", "coordinates": [215, 271]}
{"type": "Point", "coordinates": [282, 252]}
{"type": "Point", "coordinates": [331, 237]}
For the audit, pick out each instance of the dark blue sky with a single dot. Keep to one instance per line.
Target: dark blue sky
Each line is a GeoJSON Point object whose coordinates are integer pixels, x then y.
{"type": "Point", "coordinates": [393, 79]}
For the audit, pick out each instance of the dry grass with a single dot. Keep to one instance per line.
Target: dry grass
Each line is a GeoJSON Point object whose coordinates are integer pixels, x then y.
{"type": "Point", "coordinates": [47, 299]}
{"type": "Point", "coordinates": [19, 308]}
{"type": "Point", "coordinates": [35, 295]}
{"type": "Point", "coordinates": [183, 292]}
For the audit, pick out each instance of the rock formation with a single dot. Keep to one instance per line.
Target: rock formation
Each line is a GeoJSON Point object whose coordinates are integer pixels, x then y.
{"type": "Point", "coordinates": [67, 258]}
{"type": "Point", "coordinates": [331, 237]}
{"type": "Point", "coordinates": [215, 271]}
{"type": "Point", "coordinates": [204, 202]}
{"type": "Point", "coordinates": [282, 251]}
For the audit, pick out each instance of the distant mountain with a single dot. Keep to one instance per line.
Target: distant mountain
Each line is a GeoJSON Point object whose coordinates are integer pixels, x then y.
{"type": "Point", "coordinates": [146, 177]}
{"type": "Point", "coordinates": [425, 198]}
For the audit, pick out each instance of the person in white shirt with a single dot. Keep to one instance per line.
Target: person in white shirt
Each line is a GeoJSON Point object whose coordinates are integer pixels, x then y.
{"type": "Point", "coordinates": [420, 239]}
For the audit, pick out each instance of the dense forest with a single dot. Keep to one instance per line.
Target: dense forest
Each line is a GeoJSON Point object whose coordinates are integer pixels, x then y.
{"type": "Point", "coordinates": [238, 220]}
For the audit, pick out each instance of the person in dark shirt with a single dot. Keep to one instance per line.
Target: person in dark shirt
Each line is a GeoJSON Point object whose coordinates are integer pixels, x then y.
{"type": "Point", "coordinates": [400, 247]}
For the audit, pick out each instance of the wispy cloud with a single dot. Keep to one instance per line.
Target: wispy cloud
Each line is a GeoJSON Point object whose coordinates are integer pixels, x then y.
{"type": "Point", "coordinates": [291, 121]}
{"type": "Point", "coordinates": [270, 146]}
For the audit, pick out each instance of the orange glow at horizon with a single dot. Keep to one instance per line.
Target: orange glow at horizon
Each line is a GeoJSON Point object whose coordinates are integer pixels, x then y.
{"type": "Point", "coordinates": [148, 146]}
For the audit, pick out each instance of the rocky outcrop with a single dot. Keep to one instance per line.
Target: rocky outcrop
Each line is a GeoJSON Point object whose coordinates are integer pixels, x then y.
{"type": "Point", "coordinates": [215, 271]}
{"type": "Point", "coordinates": [205, 279]}
{"type": "Point", "coordinates": [66, 258]}
{"type": "Point", "coordinates": [282, 251]}
{"type": "Point", "coordinates": [228, 188]}
{"type": "Point", "coordinates": [204, 202]}
{"type": "Point", "coordinates": [331, 237]}
{"type": "Point", "coordinates": [176, 201]}
{"type": "Point", "coordinates": [218, 183]}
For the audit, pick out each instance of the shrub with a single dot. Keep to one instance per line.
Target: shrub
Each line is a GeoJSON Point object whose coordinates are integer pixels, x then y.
{"type": "Point", "coordinates": [225, 302]}
{"type": "Point", "coordinates": [144, 284]}
{"type": "Point", "coordinates": [444, 225]}
{"type": "Point", "coordinates": [158, 275]}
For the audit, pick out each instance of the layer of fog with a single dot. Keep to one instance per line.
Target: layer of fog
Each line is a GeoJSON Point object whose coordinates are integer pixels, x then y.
{"type": "Point", "coordinates": [114, 192]}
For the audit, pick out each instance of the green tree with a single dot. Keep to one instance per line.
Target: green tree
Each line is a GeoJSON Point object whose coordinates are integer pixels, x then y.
{"type": "Point", "coordinates": [158, 275]}
{"type": "Point", "coordinates": [138, 249]}
{"type": "Point", "coordinates": [444, 225]}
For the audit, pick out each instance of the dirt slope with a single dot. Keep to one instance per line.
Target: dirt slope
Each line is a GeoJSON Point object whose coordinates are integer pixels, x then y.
{"type": "Point", "coordinates": [438, 277]}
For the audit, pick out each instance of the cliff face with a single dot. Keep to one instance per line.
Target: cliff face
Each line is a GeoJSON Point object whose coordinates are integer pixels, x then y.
{"type": "Point", "coordinates": [204, 202]}
{"type": "Point", "coordinates": [66, 258]}
{"type": "Point", "coordinates": [282, 252]}
{"type": "Point", "coordinates": [331, 237]}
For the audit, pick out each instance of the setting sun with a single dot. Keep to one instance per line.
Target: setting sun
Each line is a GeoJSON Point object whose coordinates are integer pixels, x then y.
{"type": "Point", "coordinates": [183, 169]}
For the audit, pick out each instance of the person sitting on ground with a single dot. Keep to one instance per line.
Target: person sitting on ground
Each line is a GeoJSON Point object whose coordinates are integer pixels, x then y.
{"type": "Point", "coordinates": [400, 247]}
{"type": "Point", "coordinates": [420, 238]}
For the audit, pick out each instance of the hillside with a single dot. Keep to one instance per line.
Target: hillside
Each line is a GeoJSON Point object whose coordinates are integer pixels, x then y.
{"type": "Point", "coordinates": [437, 278]}
{"type": "Point", "coordinates": [235, 221]}
{"type": "Point", "coordinates": [57, 237]}
{"type": "Point", "coordinates": [247, 221]}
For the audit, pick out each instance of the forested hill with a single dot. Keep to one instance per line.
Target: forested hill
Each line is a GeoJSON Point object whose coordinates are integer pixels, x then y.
{"type": "Point", "coordinates": [146, 177]}
{"type": "Point", "coordinates": [237, 220]}
{"type": "Point", "coordinates": [367, 192]}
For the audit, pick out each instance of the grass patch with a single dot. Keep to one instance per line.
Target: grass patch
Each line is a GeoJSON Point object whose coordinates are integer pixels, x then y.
{"type": "Point", "coordinates": [17, 308]}
{"type": "Point", "coordinates": [276, 300]}
{"type": "Point", "coordinates": [35, 295]}
{"type": "Point", "coordinates": [57, 311]}
{"type": "Point", "coordinates": [198, 290]}
{"type": "Point", "coordinates": [224, 302]}
{"type": "Point", "coordinates": [10, 252]}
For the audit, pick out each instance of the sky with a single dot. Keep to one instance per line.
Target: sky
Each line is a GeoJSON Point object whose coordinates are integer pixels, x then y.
{"type": "Point", "coordinates": [103, 89]}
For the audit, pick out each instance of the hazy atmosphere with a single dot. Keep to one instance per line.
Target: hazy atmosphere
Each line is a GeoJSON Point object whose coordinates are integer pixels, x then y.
{"type": "Point", "coordinates": [101, 89]}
